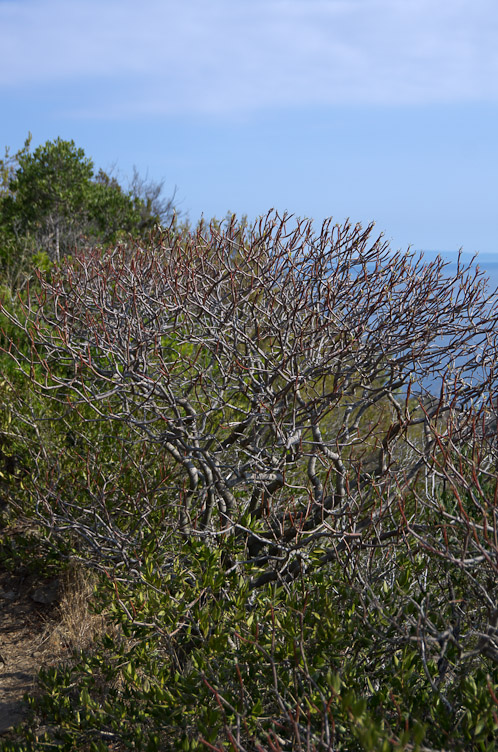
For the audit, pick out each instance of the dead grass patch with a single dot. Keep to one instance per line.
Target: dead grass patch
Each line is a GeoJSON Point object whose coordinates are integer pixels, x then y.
{"type": "Point", "coordinates": [78, 626]}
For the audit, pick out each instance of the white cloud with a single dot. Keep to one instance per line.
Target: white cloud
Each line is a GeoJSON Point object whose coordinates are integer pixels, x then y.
{"type": "Point", "coordinates": [224, 56]}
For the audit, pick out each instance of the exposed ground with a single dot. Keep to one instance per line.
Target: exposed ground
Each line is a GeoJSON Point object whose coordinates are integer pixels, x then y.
{"type": "Point", "coordinates": [43, 620]}
{"type": "Point", "coordinates": [29, 613]}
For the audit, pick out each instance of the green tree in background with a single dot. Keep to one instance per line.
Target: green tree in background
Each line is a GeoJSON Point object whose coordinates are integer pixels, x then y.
{"type": "Point", "coordinates": [9, 164]}
{"type": "Point", "coordinates": [51, 201]}
{"type": "Point", "coordinates": [50, 196]}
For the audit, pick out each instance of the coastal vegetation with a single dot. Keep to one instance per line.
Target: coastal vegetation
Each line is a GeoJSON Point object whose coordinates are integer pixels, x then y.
{"type": "Point", "coordinates": [271, 449]}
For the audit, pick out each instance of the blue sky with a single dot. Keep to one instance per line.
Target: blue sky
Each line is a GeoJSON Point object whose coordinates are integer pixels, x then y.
{"type": "Point", "coordinates": [382, 110]}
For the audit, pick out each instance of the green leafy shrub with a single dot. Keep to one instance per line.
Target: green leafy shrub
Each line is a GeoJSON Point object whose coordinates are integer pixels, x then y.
{"type": "Point", "coordinates": [203, 662]}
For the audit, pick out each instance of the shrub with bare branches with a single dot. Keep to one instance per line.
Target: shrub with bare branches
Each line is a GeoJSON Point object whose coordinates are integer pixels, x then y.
{"type": "Point", "coordinates": [286, 375]}
{"type": "Point", "coordinates": [303, 401]}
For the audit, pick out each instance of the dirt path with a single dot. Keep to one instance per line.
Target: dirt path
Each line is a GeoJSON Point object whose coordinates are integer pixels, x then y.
{"type": "Point", "coordinates": [27, 609]}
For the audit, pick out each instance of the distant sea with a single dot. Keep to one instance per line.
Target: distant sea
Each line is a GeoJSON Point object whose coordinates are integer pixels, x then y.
{"type": "Point", "coordinates": [487, 262]}
{"type": "Point", "coordinates": [488, 265]}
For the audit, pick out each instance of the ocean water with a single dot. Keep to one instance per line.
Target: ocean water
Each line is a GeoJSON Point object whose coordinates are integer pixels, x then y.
{"type": "Point", "coordinates": [487, 263]}
{"type": "Point", "coordinates": [491, 270]}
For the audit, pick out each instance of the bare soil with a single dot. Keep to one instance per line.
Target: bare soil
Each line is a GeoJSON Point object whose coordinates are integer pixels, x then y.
{"type": "Point", "coordinates": [28, 613]}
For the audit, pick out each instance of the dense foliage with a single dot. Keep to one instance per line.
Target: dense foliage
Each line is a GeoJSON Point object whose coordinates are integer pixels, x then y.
{"type": "Point", "coordinates": [277, 450]}
{"type": "Point", "coordinates": [52, 201]}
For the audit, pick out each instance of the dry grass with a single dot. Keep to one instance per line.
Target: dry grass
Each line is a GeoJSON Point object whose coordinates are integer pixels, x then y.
{"type": "Point", "coordinates": [77, 627]}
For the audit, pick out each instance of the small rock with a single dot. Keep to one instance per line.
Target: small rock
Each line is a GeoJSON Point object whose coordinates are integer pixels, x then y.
{"type": "Point", "coordinates": [47, 593]}
{"type": "Point", "coordinates": [9, 595]}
